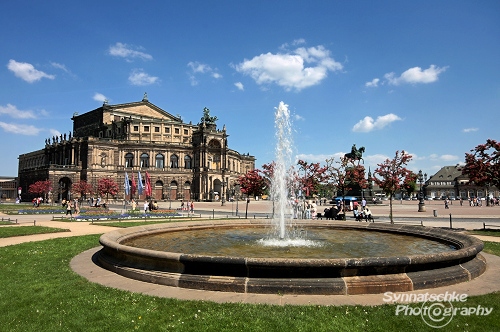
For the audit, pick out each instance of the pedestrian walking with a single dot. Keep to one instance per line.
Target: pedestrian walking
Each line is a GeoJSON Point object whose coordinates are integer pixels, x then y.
{"type": "Point", "coordinates": [69, 207]}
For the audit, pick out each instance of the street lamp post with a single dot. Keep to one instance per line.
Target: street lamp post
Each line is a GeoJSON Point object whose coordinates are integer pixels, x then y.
{"type": "Point", "coordinates": [421, 203]}
{"type": "Point", "coordinates": [170, 197]}
{"type": "Point", "coordinates": [223, 192]}
{"type": "Point", "coordinates": [237, 191]}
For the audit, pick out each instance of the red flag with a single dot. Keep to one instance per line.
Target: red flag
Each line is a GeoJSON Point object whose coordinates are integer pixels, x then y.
{"type": "Point", "coordinates": [148, 190]}
{"type": "Point", "coordinates": [133, 187]}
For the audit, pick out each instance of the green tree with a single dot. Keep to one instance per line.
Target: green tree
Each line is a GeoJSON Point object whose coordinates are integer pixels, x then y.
{"type": "Point", "coordinates": [253, 183]}
{"type": "Point", "coordinates": [344, 174]}
{"type": "Point", "coordinates": [410, 183]}
{"type": "Point", "coordinates": [40, 188]}
{"type": "Point", "coordinates": [107, 186]}
{"type": "Point", "coordinates": [82, 188]}
{"type": "Point", "coordinates": [391, 175]}
{"type": "Point", "coordinates": [310, 175]}
{"type": "Point", "coordinates": [482, 165]}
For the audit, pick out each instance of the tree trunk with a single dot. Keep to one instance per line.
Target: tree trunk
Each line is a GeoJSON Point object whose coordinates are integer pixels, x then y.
{"type": "Point", "coordinates": [390, 208]}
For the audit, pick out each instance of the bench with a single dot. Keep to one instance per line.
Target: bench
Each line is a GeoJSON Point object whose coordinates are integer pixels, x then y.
{"type": "Point", "coordinates": [54, 218]}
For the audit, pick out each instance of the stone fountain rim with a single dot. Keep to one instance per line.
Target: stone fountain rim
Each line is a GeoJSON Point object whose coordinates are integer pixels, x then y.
{"type": "Point", "coordinates": [469, 246]}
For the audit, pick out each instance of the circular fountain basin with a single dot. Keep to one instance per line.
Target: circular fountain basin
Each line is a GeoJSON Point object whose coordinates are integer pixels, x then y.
{"type": "Point", "coordinates": [295, 275]}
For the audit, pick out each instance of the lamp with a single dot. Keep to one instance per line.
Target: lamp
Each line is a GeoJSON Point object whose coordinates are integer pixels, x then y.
{"type": "Point", "coordinates": [421, 202]}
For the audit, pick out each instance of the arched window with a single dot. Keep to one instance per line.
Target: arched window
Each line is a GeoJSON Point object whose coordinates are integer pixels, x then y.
{"type": "Point", "coordinates": [129, 160]}
{"type": "Point", "coordinates": [174, 161]}
{"type": "Point", "coordinates": [160, 161]}
{"type": "Point", "coordinates": [144, 160]}
{"type": "Point", "coordinates": [187, 162]}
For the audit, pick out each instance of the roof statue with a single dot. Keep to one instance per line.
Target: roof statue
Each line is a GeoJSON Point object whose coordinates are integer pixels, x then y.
{"type": "Point", "coordinates": [207, 118]}
{"type": "Point", "coordinates": [355, 154]}
{"type": "Point", "coordinates": [145, 97]}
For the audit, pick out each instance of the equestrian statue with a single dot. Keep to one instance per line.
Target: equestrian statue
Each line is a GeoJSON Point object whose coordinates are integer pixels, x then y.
{"type": "Point", "coordinates": [355, 154]}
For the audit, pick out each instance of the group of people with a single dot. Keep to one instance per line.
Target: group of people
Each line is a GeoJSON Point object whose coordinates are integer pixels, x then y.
{"type": "Point", "coordinates": [364, 213]}
{"type": "Point", "coordinates": [96, 202]}
{"type": "Point", "coordinates": [151, 205]}
{"type": "Point", "coordinates": [71, 206]}
{"type": "Point", "coordinates": [189, 206]}
{"type": "Point", "coordinates": [474, 201]}
{"type": "Point", "coordinates": [304, 209]}
{"type": "Point", "coordinates": [37, 201]}
{"type": "Point", "coordinates": [360, 211]}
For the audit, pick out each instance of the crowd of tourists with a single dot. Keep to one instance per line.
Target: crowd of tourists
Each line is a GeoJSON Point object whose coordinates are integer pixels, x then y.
{"type": "Point", "coordinates": [474, 201]}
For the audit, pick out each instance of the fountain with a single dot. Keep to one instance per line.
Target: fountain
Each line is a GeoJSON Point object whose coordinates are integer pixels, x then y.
{"type": "Point", "coordinates": [329, 261]}
{"type": "Point", "coordinates": [283, 162]}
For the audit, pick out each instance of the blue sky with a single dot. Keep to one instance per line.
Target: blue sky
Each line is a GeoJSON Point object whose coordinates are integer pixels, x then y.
{"type": "Point", "coordinates": [419, 76]}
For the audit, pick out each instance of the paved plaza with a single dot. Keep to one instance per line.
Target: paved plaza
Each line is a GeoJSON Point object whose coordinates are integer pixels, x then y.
{"type": "Point", "coordinates": [462, 218]}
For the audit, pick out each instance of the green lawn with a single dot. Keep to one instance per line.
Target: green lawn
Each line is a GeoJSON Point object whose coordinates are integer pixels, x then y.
{"type": "Point", "coordinates": [488, 232]}
{"type": "Point", "coordinates": [40, 292]}
{"type": "Point", "coordinates": [28, 230]}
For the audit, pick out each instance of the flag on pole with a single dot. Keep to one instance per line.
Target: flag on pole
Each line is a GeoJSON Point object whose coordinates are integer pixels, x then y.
{"type": "Point", "coordinates": [133, 187]}
{"type": "Point", "coordinates": [148, 190]}
{"type": "Point", "coordinates": [127, 184]}
{"type": "Point", "coordinates": [140, 186]}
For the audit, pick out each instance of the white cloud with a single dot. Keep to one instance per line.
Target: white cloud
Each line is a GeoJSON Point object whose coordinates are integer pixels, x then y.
{"type": "Point", "coordinates": [193, 80]}
{"type": "Point", "coordinates": [27, 71]}
{"type": "Point", "coordinates": [470, 130]}
{"type": "Point", "coordinates": [13, 112]}
{"type": "Point", "coordinates": [239, 85]}
{"type": "Point", "coordinates": [373, 83]}
{"type": "Point", "coordinates": [448, 157]}
{"type": "Point", "coordinates": [59, 66]}
{"type": "Point", "coordinates": [128, 52]}
{"type": "Point", "coordinates": [197, 67]}
{"type": "Point", "coordinates": [290, 70]}
{"type": "Point", "coordinates": [296, 42]}
{"type": "Point", "coordinates": [54, 132]}
{"type": "Point", "coordinates": [298, 117]}
{"type": "Point", "coordinates": [375, 159]}
{"type": "Point", "coordinates": [201, 68]}
{"type": "Point", "coordinates": [99, 97]}
{"type": "Point", "coordinates": [139, 77]}
{"type": "Point", "coordinates": [444, 157]}
{"type": "Point", "coordinates": [368, 124]}
{"type": "Point", "coordinates": [20, 129]}
{"type": "Point", "coordinates": [416, 75]}
{"type": "Point", "coordinates": [317, 158]}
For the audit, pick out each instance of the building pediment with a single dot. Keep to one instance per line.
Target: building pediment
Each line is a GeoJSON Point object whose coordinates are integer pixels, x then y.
{"type": "Point", "coordinates": [143, 109]}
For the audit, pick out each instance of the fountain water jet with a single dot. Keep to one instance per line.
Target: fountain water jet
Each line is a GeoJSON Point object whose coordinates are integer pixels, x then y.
{"type": "Point", "coordinates": [283, 163]}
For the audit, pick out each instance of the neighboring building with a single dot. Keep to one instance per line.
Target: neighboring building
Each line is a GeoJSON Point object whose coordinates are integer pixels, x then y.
{"type": "Point", "coordinates": [449, 182]}
{"type": "Point", "coordinates": [8, 188]}
{"type": "Point", "coordinates": [184, 161]}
